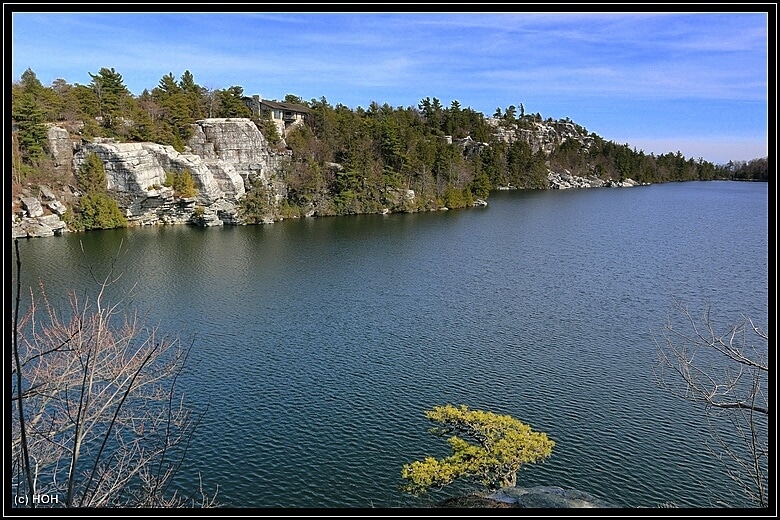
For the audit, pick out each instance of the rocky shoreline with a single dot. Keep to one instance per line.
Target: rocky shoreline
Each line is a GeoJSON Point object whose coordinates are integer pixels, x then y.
{"type": "Point", "coordinates": [41, 215]}
{"type": "Point", "coordinates": [224, 156]}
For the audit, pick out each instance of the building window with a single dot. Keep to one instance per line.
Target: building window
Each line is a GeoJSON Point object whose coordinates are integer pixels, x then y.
{"type": "Point", "coordinates": [277, 114]}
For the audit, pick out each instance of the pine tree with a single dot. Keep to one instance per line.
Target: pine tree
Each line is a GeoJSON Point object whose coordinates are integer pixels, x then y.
{"type": "Point", "coordinates": [91, 176]}
{"type": "Point", "coordinates": [29, 119]}
{"type": "Point", "coordinates": [177, 116]}
{"type": "Point", "coordinates": [31, 83]}
{"type": "Point", "coordinates": [232, 103]}
{"type": "Point", "coordinates": [193, 92]}
{"type": "Point", "coordinates": [111, 93]}
{"type": "Point", "coordinates": [97, 210]}
{"type": "Point", "coordinates": [168, 85]}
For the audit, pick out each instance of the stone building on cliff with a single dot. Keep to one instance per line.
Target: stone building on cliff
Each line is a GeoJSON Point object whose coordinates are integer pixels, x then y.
{"type": "Point", "coordinates": [285, 116]}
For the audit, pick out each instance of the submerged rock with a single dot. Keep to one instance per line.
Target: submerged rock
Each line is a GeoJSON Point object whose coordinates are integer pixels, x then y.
{"type": "Point", "coordinates": [533, 498]}
{"type": "Point", "coordinates": [547, 496]}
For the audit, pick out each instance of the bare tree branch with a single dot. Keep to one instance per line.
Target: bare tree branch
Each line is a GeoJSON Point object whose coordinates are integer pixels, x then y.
{"type": "Point", "coordinates": [727, 373]}
{"type": "Point", "coordinates": [97, 415]}
{"type": "Point", "coordinates": [20, 406]}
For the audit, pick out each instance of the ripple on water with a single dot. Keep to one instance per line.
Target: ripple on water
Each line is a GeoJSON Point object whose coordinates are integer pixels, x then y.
{"type": "Point", "coordinates": [318, 344]}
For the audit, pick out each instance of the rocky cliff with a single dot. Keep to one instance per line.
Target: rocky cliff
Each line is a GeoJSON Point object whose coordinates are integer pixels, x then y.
{"type": "Point", "coordinates": [223, 156]}
{"type": "Point", "coordinates": [544, 136]}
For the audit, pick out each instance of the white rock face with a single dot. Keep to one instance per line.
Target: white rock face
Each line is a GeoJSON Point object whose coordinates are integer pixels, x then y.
{"type": "Point", "coordinates": [223, 156]}
{"type": "Point", "coordinates": [225, 152]}
{"type": "Point", "coordinates": [544, 136]}
{"type": "Point", "coordinates": [234, 149]}
{"type": "Point", "coordinates": [235, 140]}
{"type": "Point", "coordinates": [133, 168]}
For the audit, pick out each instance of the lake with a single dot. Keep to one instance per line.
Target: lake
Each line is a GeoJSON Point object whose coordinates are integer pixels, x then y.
{"type": "Point", "coordinates": [319, 343]}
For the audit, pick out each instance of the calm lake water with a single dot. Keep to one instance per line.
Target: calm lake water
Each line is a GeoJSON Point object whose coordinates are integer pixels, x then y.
{"type": "Point", "coordinates": [319, 343]}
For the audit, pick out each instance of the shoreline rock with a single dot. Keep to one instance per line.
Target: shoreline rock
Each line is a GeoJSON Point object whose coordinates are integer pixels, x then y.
{"type": "Point", "coordinates": [538, 497]}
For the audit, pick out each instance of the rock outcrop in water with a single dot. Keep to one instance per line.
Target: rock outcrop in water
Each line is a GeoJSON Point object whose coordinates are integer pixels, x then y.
{"type": "Point", "coordinates": [564, 180]}
{"type": "Point", "coordinates": [529, 498]}
{"type": "Point", "coordinates": [547, 496]}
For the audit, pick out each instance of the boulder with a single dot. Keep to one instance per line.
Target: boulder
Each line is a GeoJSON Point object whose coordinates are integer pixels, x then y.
{"type": "Point", "coordinates": [46, 193]}
{"type": "Point", "coordinates": [33, 207]}
{"type": "Point", "coordinates": [57, 207]}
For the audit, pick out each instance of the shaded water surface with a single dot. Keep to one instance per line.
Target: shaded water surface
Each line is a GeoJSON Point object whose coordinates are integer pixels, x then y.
{"type": "Point", "coordinates": [319, 343]}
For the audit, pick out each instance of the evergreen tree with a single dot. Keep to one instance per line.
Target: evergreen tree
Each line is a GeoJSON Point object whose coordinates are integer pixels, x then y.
{"type": "Point", "coordinates": [182, 182]}
{"type": "Point", "coordinates": [432, 113]}
{"type": "Point", "coordinates": [231, 103]}
{"type": "Point", "coordinates": [111, 94]}
{"type": "Point", "coordinates": [293, 99]}
{"type": "Point", "coordinates": [48, 100]}
{"type": "Point", "coordinates": [167, 86]}
{"type": "Point", "coordinates": [176, 119]}
{"type": "Point", "coordinates": [425, 107]}
{"type": "Point", "coordinates": [91, 176]}
{"type": "Point", "coordinates": [85, 100]}
{"type": "Point", "coordinates": [509, 114]}
{"type": "Point", "coordinates": [31, 83]}
{"type": "Point", "coordinates": [194, 95]}
{"type": "Point", "coordinates": [143, 129]}
{"type": "Point", "coordinates": [486, 447]}
{"type": "Point", "coordinates": [55, 101]}
{"type": "Point", "coordinates": [420, 167]}
{"type": "Point", "coordinates": [97, 210]}
{"type": "Point", "coordinates": [391, 147]}
{"type": "Point", "coordinates": [32, 133]}
{"type": "Point", "coordinates": [187, 82]}
{"type": "Point", "coordinates": [257, 205]}
{"type": "Point", "coordinates": [480, 187]}
{"type": "Point", "coordinates": [268, 128]}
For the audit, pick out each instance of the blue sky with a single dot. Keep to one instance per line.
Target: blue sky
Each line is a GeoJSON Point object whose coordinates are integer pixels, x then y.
{"type": "Point", "coordinates": [695, 83]}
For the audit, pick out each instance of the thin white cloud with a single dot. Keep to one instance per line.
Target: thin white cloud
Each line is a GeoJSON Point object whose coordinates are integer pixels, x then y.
{"type": "Point", "coordinates": [557, 60]}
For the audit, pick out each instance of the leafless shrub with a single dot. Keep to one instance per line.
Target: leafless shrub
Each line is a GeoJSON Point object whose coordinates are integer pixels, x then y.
{"type": "Point", "coordinates": [97, 419]}
{"type": "Point", "coordinates": [728, 374]}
